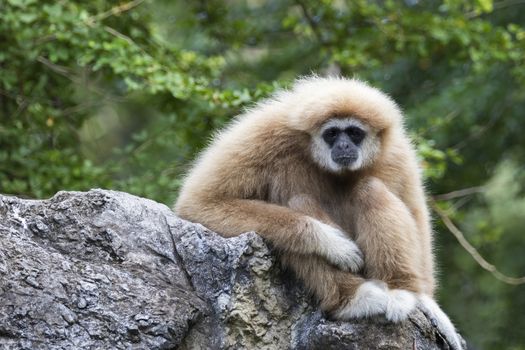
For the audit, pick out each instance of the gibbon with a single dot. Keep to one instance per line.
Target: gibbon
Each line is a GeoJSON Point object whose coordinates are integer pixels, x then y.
{"type": "Point", "coordinates": [325, 172]}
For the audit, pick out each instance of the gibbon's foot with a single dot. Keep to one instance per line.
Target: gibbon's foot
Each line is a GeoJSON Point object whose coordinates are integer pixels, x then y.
{"type": "Point", "coordinates": [337, 248]}
{"type": "Point", "coordinates": [440, 320]}
{"type": "Point", "coordinates": [402, 303]}
{"type": "Point", "coordinates": [374, 298]}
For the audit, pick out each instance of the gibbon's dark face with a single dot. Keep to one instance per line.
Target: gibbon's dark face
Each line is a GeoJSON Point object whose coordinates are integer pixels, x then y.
{"type": "Point", "coordinates": [344, 144]}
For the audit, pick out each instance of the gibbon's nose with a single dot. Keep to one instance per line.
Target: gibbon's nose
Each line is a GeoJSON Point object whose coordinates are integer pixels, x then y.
{"type": "Point", "coordinates": [343, 146]}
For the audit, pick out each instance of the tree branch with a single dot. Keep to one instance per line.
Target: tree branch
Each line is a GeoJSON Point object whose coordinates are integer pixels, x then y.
{"type": "Point", "coordinates": [459, 193]}
{"type": "Point", "coordinates": [497, 6]}
{"type": "Point", "coordinates": [117, 10]}
{"type": "Point", "coordinates": [473, 251]}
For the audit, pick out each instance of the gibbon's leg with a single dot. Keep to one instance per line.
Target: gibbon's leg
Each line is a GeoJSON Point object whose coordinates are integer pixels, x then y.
{"type": "Point", "coordinates": [331, 286]}
{"type": "Point", "coordinates": [387, 234]}
{"type": "Point", "coordinates": [289, 230]}
{"type": "Point", "coordinates": [343, 294]}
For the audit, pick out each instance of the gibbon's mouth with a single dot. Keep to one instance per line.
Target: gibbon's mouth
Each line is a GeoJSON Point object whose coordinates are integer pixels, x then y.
{"type": "Point", "coordinates": [345, 160]}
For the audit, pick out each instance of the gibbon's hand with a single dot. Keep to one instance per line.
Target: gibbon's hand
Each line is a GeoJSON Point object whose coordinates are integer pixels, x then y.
{"type": "Point", "coordinates": [337, 248]}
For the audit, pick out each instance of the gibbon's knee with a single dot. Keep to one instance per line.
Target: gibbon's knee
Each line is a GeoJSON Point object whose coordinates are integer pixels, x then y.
{"type": "Point", "coordinates": [331, 286]}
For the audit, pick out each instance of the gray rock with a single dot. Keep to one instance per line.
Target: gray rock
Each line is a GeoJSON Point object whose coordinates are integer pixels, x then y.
{"type": "Point", "coordinates": [108, 270]}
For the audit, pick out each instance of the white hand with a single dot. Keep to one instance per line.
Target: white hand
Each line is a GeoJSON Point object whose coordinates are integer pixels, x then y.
{"type": "Point", "coordinates": [337, 248]}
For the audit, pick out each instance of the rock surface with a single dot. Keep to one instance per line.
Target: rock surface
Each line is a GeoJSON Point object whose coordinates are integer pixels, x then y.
{"type": "Point", "coordinates": [108, 270]}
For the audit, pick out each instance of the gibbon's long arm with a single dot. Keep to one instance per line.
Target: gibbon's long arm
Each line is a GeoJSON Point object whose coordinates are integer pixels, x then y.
{"type": "Point", "coordinates": [288, 230]}
{"type": "Point", "coordinates": [382, 219]}
{"type": "Point", "coordinates": [419, 211]}
{"type": "Point", "coordinates": [406, 200]}
{"type": "Point", "coordinates": [385, 218]}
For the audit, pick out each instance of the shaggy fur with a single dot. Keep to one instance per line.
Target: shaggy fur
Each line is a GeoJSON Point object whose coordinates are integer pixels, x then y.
{"type": "Point", "coordinates": [265, 173]}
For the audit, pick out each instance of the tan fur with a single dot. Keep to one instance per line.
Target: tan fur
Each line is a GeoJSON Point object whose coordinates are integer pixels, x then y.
{"type": "Point", "coordinates": [258, 175]}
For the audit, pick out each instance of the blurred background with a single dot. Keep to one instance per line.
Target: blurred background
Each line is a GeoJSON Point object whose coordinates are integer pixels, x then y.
{"type": "Point", "coordinates": [122, 95]}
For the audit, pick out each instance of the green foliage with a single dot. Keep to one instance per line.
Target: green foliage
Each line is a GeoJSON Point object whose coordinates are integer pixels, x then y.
{"type": "Point", "coordinates": [496, 229]}
{"type": "Point", "coordinates": [123, 95]}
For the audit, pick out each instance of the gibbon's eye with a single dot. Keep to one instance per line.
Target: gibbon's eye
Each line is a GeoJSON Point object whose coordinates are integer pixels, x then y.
{"type": "Point", "coordinates": [330, 135]}
{"type": "Point", "coordinates": [356, 134]}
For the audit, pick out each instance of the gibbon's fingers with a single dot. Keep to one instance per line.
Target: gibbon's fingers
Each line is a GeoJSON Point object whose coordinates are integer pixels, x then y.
{"type": "Point", "coordinates": [432, 310]}
{"type": "Point", "coordinates": [374, 298]}
{"type": "Point", "coordinates": [338, 248]}
{"type": "Point", "coordinates": [341, 250]}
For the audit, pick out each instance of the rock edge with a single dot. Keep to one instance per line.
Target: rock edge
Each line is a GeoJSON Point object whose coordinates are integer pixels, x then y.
{"type": "Point", "coordinates": [105, 269]}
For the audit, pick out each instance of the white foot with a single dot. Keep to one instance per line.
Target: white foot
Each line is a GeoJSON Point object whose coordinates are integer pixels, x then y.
{"type": "Point", "coordinates": [374, 298]}
{"type": "Point", "coordinates": [337, 248]}
{"type": "Point", "coordinates": [401, 304]}
{"type": "Point", "coordinates": [432, 310]}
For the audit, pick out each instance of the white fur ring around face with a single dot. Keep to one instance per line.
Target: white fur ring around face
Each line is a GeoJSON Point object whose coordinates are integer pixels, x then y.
{"type": "Point", "coordinates": [337, 248]}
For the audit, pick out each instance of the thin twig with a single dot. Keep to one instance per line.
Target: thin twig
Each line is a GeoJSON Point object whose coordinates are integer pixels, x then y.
{"type": "Point", "coordinates": [473, 251]}
{"type": "Point", "coordinates": [62, 70]}
{"type": "Point", "coordinates": [117, 10]}
{"type": "Point", "coordinates": [118, 34]}
{"type": "Point", "coordinates": [67, 73]}
{"type": "Point", "coordinates": [497, 6]}
{"type": "Point", "coordinates": [459, 193]}
{"type": "Point", "coordinates": [456, 205]}
{"type": "Point", "coordinates": [504, 4]}
{"type": "Point", "coordinates": [443, 120]}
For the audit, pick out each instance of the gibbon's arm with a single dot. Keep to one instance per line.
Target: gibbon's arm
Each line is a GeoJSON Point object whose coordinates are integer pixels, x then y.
{"type": "Point", "coordinates": [419, 211]}
{"type": "Point", "coordinates": [406, 188]}
{"type": "Point", "coordinates": [287, 229]}
{"type": "Point", "coordinates": [390, 234]}
{"type": "Point", "coordinates": [413, 197]}
{"type": "Point", "coordinates": [387, 233]}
